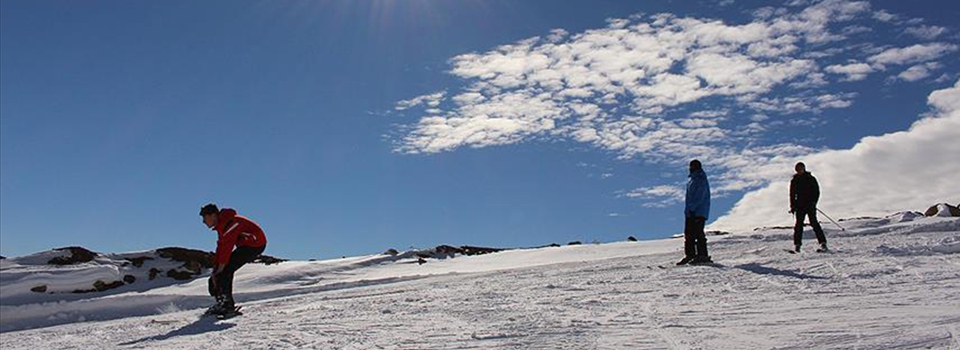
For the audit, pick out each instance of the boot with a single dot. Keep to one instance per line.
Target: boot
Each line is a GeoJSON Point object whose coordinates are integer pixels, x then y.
{"type": "Point", "coordinates": [702, 259]}
{"type": "Point", "coordinates": [823, 248]}
{"type": "Point", "coordinates": [217, 307]}
{"type": "Point", "coordinates": [684, 261]}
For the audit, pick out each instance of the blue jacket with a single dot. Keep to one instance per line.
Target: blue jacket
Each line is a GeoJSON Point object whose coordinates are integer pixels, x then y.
{"type": "Point", "coordinates": [698, 195]}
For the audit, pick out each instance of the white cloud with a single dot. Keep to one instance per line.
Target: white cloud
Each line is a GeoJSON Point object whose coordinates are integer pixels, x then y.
{"type": "Point", "coordinates": [907, 170]}
{"type": "Point", "coordinates": [501, 119]}
{"type": "Point", "coordinates": [926, 32]}
{"type": "Point", "coordinates": [946, 101]}
{"type": "Point", "coordinates": [856, 29]}
{"type": "Point", "coordinates": [658, 196]}
{"type": "Point", "coordinates": [430, 100]}
{"type": "Point", "coordinates": [559, 85]}
{"type": "Point", "coordinates": [803, 104]}
{"type": "Point", "coordinates": [662, 88]}
{"type": "Point", "coordinates": [710, 113]}
{"type": "Point", "coordinates": [557, 35]}
{"type": "Point", "coordinates": [912, 54]}
{"type": "Point", "coordinates": [884, 16]}
{"type": "Point", "coordinates": [835, 100]}
{"type": "Point", "coordinates": [853, 71]}
{"type": "Point", "coordinates": [919, 71]}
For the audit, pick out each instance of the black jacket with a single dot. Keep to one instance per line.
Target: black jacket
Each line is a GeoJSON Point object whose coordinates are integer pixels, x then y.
{"type": "Point", "coordinates": [804, 192]}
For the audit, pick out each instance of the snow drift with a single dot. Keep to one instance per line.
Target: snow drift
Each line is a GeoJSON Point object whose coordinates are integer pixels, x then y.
{"type": "Point", "coordinates": [890, 282]}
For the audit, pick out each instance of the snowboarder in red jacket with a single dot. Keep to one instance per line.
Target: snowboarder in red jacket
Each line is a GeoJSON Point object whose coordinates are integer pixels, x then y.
{"type": "Point", "coordinates": [233, 230]}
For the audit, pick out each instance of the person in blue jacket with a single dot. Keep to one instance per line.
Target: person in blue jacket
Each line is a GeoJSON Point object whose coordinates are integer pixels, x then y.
{"type": "Point", "coordinates": [697, 211]}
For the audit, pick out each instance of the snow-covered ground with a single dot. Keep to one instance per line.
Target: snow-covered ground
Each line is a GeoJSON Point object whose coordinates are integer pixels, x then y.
{"type": "Point", "coordinates": [889, 283]}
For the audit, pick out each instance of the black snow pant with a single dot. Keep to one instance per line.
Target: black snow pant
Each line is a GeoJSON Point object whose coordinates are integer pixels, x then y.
{"type": "Point", "coordinates": [810, 213]}
{"type": "Point", "coordinates": [694, 239]}
{"type": "Point", "coordinates": [222, 287]}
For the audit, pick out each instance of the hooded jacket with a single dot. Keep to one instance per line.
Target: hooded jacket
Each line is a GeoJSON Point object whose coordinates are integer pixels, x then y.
{"type": "Point", "coordinates": [698, 195]}
{"type": "Point", "coordinates": [804, 192]}
{"type": "Point", "coordinates": [235, 230]}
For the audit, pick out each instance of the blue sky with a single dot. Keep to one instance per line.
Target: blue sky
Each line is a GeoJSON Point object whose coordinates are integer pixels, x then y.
{"type": "Point", "coordinates": [119, 119]}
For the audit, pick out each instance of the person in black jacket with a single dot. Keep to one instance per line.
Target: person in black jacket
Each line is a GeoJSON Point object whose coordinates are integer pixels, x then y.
{"type": "Point", "coordinates": [804, 194]}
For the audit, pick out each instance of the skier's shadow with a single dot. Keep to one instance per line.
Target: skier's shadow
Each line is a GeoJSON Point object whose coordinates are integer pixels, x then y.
{"type": "Point", "coordinates": [765, 270]}
{"type": "Point", "coordinates": [201, 325]}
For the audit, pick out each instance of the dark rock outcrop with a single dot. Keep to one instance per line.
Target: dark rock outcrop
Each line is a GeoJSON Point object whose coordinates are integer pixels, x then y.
{"type": "Point", "coordinates": [180, 275]}
{"type": "Point", "coordinates": [935, 210]}
{"type": "Point", "coordinates": [631, 239]}
{"type": "Point", "coordinates": [391, 252]}
{"type": "Point", "coordinates": [77, 255]}
{"type": "Point", "coordinates": [194, 261]}
{"type": "Point", "coordinates": [154, 272]}
{"type": "Point", "coordinates": [472, 250]}
{"type": "Point", "coordinates": [129, 279]}
{"type": "Point", "coordinates": [138, 261]}
{"type": "Point", "coordinates": [717, 233]}
{"type": "Point", "coordinates": [39, 289]}
{"type": "Point", "coordinates": [184, 255]}
{"type": "Point", "coordinates": [575, 243]}
{"type": "Point", "coordinates": [447, 251]}
{"type": "Point", "coordinates": [268, 260]}
{"type": "Point", "coordinates": [102, 286]}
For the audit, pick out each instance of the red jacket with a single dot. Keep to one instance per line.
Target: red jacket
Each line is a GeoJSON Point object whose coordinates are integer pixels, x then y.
{"type": "Point", "coordinates": [236, 230]}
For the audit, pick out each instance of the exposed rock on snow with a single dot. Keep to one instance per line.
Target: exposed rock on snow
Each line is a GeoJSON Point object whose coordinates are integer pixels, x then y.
{"type": "Point", "coordinates": [943, 210]}
{"type": "Point", "coordinates": [189, 257]}
{"type": "Point", "coordinates": [76, 255]}
{"type": "Point", "coordinates": [444, 251]}
{"type": "Point", "coordinates": [267, 260]}
{"type": "Point", "coordinates": [77, 270]}
{"type": "Point", "coordinates": [905, 216]}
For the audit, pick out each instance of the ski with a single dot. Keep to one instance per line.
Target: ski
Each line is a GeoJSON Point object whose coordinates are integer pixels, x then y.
{"type": "Point", "coordinates": [236, 312]}
{"type": "Point", "coordinates": [674, 266]}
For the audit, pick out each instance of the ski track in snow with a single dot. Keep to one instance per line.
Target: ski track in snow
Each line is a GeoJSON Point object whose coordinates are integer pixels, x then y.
{"type": "Point", "coordinates": [890, 286]}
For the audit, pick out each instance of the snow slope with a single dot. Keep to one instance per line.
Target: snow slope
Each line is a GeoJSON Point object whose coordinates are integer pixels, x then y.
{"type": "Point", "coordinates": [889, 283]}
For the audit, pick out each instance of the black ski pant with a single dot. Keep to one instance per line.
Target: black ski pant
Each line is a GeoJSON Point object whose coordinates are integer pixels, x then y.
{"type": "Point", "coordinates": [221, 284]}
{"type": "Point", "coordinates": [810, 213]}
{"type": "Point", "coordinates": [694, 239]}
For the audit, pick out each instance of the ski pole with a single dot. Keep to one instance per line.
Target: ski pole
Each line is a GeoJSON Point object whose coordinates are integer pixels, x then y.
{"type": "Point", "coordinates": [831, 220]}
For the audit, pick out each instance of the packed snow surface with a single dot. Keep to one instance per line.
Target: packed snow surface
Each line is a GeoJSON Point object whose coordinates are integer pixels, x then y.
{"type": "Point", "coordinates": [888, 283]}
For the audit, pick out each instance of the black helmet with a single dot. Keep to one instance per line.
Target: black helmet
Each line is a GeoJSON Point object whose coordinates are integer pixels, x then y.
{"type": "Point", "coordinates": [209, 209]}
